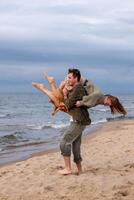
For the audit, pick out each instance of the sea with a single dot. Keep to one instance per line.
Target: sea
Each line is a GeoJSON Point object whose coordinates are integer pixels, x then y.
{"type": "Point", "coordinates": [27, 126]}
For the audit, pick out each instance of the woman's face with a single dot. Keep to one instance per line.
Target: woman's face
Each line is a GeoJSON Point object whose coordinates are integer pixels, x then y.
{"type": "Point", "coordinates": [107, 101]}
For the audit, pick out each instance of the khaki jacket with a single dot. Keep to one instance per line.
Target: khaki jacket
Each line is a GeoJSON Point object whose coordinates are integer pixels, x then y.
{"type": "Point", "coordinates": [94, 95]}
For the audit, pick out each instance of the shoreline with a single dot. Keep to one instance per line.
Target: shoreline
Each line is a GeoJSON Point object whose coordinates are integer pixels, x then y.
{"type": "Point", "coordinates": [108, 170]}
{"type": "Point", "coordinates": [89, 134]}
{"type": "Point", "coordinates": [90, 131]}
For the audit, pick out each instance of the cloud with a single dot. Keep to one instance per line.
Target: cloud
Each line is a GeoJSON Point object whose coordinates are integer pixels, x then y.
{"type": "Point", "coordinates": [96, 36]}
{"type": "Point", "coordinates": [64, 20]}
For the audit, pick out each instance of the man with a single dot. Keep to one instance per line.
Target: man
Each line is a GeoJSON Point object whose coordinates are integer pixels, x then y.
{"type": "Point", "coordinates": [80, 118]}
{"type": "Point", "coordinates": [78, 97]}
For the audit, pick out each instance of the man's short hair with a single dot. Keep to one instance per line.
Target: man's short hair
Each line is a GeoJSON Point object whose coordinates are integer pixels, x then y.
{"type": "Point", "coordinates": [75, 72]}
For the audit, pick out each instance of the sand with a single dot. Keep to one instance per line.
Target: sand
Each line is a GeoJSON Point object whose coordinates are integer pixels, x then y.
{"type": "Point", "coordinates": [108, 170]}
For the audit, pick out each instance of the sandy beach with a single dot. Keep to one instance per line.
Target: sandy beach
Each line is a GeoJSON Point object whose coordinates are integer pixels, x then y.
{"type": "Point", "coordinates": [108, 170]}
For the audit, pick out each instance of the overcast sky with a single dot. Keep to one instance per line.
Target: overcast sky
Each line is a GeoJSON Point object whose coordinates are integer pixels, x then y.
{"type": "Point", "coordinates": [95, 36]}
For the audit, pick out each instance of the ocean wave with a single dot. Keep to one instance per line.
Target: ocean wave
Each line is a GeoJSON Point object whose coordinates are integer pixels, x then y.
{"type": "Point", "coordinates": [41, 127]}
{"type": "Point", "coordinates": [99, 121]}
{"type": "Point", "coordinates": [12, 138]}
{"type": "Point", "coordinates": [38, 127]}
{"type": "Point", "coordinates": [56, 126]}
{"type": "Point", "coordinates": [2, 115]}
{"type": "Point", "coordinates": [11, 127]}
{"type": "Point", "coordinates": [5, 115]}
{"type": "Point", "coordinates": [101, 110]}
{"type": "Point", "coordinates": [112, 119]}
{"type": "Point", "coordinates": [119, 118]}
{"type": "Point", "coordinates": [29, 143]}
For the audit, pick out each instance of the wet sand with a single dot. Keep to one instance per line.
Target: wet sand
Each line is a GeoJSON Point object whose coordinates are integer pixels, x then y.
{"type": "Point", "coordinates": [108, 170]}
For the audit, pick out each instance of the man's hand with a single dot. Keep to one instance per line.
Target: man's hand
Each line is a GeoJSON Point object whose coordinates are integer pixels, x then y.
{"type": "Point", "coordinates": [78, 104]}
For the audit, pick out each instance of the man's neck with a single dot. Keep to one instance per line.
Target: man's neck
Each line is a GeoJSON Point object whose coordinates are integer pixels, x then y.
{"type": "Point", "coordinates": [75, 84]}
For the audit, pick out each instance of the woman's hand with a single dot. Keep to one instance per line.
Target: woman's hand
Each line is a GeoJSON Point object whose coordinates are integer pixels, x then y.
{"type": "Point", "coordinates": [65, 92]}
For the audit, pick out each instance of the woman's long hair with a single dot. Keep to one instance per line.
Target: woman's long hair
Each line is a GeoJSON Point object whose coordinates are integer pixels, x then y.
{"type": "Point", "coordinates": [116, 106]}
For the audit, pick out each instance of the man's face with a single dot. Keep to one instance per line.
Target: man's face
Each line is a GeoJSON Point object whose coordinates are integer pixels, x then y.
{"type": "Point", "coordinates": [71, 80]}
{"type": "Point", "coordinates": [107, 101]}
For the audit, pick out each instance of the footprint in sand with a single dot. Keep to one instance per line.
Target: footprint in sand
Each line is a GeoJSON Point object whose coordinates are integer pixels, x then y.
{"type": "Point", "coordinates": [122, 191]}
{"type": "Point", "coordinates": [93, 170]}
{"type": "Point", "coordinates": [130, 165]}
{"type": "Point", "coordinates": [48, 188]}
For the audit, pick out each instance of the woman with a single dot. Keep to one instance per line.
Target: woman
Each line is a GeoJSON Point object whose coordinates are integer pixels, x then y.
{"type": "Point", "coordinates": [55, 94]}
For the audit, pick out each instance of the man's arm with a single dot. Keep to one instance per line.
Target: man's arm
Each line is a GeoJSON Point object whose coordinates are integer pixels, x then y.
{"type": "Point", "coordinates": [90, 100]}
{"type": "Point", "coordinates": [75, 95]}
{"type": "Point", "coordinates": [93, 97]}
